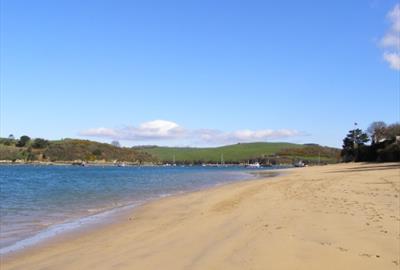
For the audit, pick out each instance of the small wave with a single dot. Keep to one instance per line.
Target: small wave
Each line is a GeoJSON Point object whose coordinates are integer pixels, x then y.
{"type": "Point", "coordinates": [58, 229]}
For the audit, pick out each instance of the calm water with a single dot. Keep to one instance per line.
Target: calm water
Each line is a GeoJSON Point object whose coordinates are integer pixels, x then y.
{"type": "Point", "coordinates": [40, 201]}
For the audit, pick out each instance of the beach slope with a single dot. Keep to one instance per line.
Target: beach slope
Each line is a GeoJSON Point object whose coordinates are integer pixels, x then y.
{"type": "Point", "coordinates": [344, 216]}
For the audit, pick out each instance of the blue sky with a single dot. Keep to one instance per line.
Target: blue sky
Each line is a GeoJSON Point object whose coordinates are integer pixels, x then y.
{"type": "Point", "coordinates": [197, 72]}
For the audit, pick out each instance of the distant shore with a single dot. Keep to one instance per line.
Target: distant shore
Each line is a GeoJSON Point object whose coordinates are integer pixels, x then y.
{"type": "Point", "coordinates": [113, 163]}
{"type": "Point", "coordinates": [77, 163]}
{"type": "Point", "coordinates": [35, 162]}
{"type": "Point", "coordinates": [343, 216]}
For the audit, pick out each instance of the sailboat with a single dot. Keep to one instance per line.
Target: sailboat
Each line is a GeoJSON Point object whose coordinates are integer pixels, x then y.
{"type": "Point", "coordinates": [253, 165]}
{"type": "Point", "coordinates": [222, 161]}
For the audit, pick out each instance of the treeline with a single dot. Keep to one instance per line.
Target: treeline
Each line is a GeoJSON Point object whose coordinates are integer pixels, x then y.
{"type": "Point", "coordinates": [24, 141]}
{"type": "Point", "coordinates": [380, 142]}
{"type": "Point", "coordinates": [312, 151]}
{"type": "Point", "coordinates": [38, 149]}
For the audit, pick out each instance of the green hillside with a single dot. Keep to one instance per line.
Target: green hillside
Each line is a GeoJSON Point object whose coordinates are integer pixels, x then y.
{"type": "Point", "coordinates": [27, 149]}
{"type": "Point", "coordinates": [243, 152]}
{"type": "Point", "coordinates": [69, 150]}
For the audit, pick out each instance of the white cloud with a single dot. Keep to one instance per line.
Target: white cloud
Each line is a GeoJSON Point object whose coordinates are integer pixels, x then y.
{"type": "Point", "coordinates": [391, 41]}
{"type": "Point", "coordinates": [394, 17]}
{"type": "Point", "coordinates": [393, 59]}
{"type": "Point", "coordinates": [166, 130]}
{"type": "Point", "coordinates": [157, 129]}
{"type": "Point", "coordinates": [99, 132]}
{"type": "Point", "coordinates": [246, 135]}
{"type": "Point", "coordinates": [154, 130]}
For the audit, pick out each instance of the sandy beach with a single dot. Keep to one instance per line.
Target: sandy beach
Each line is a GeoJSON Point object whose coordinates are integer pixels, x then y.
{"type": "Point", "coordinates": [344, 216]}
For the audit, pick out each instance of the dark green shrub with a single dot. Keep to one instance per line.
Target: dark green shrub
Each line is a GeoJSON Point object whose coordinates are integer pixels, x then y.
{"type": "Point", "coordinates": [39, 143]}
{"type": "Point", "coordinates": [23, 141]}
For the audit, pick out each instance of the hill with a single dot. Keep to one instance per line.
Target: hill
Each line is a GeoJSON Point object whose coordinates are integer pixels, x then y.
{"type": "Point", "coordinates": [244, 152]}
{"type": "Point", "coordinates": [69, 150]}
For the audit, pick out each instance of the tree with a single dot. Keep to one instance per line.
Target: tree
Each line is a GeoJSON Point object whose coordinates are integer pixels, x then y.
{"type": "Point", "coordinates": [347, 152]}
{"type": "Point", "coordinates": [358, 137]}
{"type": "Point", "coordinates": [39, 143]}
{"type": "Point", "coordinates": [355, 138]}
{"type": "Point", "coordinates": [377, 131]}
{"type": "Point", "coordinates": [392, 131]}
{"type": "Point", "coordinates": [385, 146]}
{"type": "Point", "coordinates": [23, 141]}
{"type": "Point", "coordinates": [115, 143]}
{"type": "Point", "coordinates": [96, 152]}
{"type": "Point", "coordinates": [390, 153]}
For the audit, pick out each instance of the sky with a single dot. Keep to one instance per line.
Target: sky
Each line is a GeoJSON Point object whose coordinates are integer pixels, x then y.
{"type": "Point", "coordinates": [198, 73]}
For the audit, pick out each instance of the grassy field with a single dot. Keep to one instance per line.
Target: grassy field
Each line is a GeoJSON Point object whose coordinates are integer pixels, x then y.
{"type": "Point", "coordinates": [242, 152]}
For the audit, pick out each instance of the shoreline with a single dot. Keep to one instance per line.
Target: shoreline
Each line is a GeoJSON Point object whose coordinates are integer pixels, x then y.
{"type": "Point", "coordinates": [76, 226]}
{"type": "Point", "coordinates": [303, 218]}
{"type": "Point", "coordinates": [133, 164]}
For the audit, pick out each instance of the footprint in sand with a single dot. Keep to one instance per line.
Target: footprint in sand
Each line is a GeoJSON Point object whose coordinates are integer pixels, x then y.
{"type": "Point", "coordinates": [325, 243]}
{"type": "Point", "coordinates": [366, 255]}
{"type": "Point", "coordinates": [266, 228]}
{"type": "Point", "coordinates": [342, 249]}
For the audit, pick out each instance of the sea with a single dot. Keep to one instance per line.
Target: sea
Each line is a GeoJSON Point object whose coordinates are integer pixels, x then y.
{"type": "Point", "coordinates": [38, 202]}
